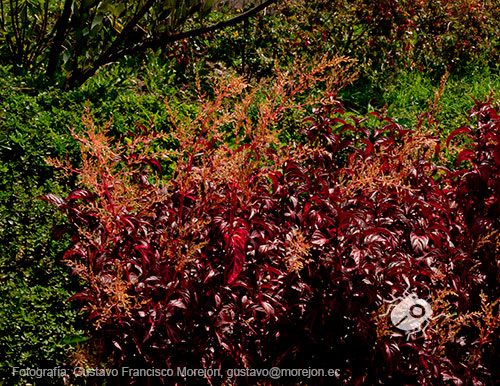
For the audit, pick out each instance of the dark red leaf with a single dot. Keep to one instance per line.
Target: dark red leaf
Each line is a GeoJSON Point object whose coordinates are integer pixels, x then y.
{"type": "Point", "coordinates": [53, 199]}
{"type": "Point", "coordinates": [80, 194]}
{"type": "Point", "coordinates": [236, 244]}
{"type": "Point", "coordinates": [461, 130]}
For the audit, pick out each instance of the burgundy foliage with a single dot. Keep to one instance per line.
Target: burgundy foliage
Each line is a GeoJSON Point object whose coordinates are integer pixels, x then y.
{"type": "Point", "coordinates": [294, 271]}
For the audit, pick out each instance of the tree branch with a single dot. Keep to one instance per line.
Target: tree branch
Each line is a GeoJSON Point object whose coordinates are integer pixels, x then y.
{"type": "Point", "coordinates": [60, 27]}
{"type": "Point", "coordinates": [160, 41]}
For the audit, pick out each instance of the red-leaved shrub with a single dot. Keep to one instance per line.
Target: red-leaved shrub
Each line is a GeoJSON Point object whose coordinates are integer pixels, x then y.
{"type": "Point", "coordinates": [256, 253]}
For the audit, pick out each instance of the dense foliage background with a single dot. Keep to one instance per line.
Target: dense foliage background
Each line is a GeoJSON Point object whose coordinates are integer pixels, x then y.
{"type": "Point", "coordinates": [328, 211]}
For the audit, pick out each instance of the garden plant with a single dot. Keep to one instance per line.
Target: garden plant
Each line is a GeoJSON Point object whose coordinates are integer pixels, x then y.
{"type": "Point", "coordinates": [293, 185]}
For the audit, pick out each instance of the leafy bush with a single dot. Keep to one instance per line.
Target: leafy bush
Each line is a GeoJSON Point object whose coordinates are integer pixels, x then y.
{"type": "Point", "coordinates": [398, 45]}
{"type": "Point", "coordinates": [477, 193]}
{"type": "Point", "coordinates": [35, 319]}
{"type": "Point", "coordinates": [384, 36]}
{"type": "Point", "coordinates": [258, 254]}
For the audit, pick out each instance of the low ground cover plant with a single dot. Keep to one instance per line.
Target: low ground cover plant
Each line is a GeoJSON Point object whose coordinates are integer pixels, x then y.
{"type": "Point", "coordinates": [256, 253]}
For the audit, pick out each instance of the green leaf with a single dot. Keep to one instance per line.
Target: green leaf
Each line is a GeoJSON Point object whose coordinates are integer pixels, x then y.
{"type": "Point", "coordinates": [97, 21]}
{"type": "Point", "coordinates": [73, 339]}
{"type": "Point", "coordinates": [66, 56]}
